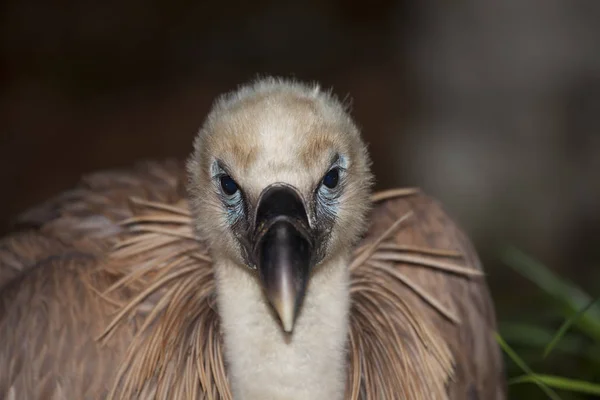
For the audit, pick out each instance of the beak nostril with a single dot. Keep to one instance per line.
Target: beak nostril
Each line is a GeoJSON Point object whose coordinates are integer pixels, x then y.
{"type": "Point", "coordinates": [280, 199]}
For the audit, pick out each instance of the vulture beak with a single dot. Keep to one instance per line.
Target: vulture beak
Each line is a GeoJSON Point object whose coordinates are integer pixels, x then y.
{"type": "Point", "coordinates": [283, 249]}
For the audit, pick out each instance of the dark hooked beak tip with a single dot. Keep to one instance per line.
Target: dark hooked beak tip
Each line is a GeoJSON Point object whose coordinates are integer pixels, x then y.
{"type": "Point", "coordinates": [283, 251]}
{"type": "Point", "coordinates": [284, 269]}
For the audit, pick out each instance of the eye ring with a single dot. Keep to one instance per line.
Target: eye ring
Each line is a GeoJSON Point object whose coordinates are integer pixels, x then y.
{"type": "Point", "coordinates": [331, 178]}
{"type": "Point", "coordinates": [228, 185]}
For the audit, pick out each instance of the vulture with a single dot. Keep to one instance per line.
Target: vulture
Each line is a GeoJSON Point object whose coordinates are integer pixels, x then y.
{"type": "Point", "coordinates": [263, 268]}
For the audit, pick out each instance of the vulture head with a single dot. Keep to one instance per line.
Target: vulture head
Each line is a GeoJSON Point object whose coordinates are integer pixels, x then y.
{"type": "Point", "coordinates": [280, 185]}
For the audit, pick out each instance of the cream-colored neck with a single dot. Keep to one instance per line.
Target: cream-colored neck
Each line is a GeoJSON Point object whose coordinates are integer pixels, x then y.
{"type": "Point", "coordinates": [263, 362]}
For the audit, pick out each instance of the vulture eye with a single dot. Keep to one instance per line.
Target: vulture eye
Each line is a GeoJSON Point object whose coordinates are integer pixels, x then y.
{"type": "Point", "coordinates": [332, 178]}
{"type": "Point", "coordinates": [228, 185]}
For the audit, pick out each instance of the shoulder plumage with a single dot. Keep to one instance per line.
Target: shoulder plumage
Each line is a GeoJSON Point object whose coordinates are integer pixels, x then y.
{"type": "Point", "coordinates": [417, 297]}
{"type": "Point", "coordinates": [408, 323]}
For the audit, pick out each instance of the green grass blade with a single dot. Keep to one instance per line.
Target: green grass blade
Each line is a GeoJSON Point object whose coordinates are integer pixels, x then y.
{"type": "Point", "coordinates": [537, 337]}
{"type": "Point", "coordinates": [566, 326]}
{"type": "Point", "coordinates": [521, 364]}
{"type": "Point", "coordinates": [571, 298]}
{"type": "Point", "coordinates": [559, 382]}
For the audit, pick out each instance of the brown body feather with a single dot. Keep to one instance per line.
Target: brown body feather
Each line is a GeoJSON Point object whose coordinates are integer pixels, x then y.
{"type": "Point", "coordinates": [105, 292]}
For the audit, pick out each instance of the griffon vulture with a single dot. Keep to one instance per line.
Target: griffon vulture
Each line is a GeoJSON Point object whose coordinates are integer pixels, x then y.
{"type": "Point", "coordinates": [263, 269]}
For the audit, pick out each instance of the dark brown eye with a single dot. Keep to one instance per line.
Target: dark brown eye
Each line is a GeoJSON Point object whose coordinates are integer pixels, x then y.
{"type": "Point", "coordinates": [332, 178]}
{"type": "Point", "coordinates": [228, 185]}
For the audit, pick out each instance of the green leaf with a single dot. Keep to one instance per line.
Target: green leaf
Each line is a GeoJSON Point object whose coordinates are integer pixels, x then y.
{"type": "Point", "coordinates": [538, 337]}
{"type": "Point", "coordinates": [571, 298]}
{"type": "Point", "coordinates": [566, 325]}
{"type": "Point", "coordinates": [559, 382]}
{"type": "Point", "coordinates": [517, 360]}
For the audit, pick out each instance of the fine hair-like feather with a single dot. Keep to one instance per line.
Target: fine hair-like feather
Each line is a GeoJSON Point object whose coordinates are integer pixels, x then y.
{"type": "Point", "coordinates": [421, 317]}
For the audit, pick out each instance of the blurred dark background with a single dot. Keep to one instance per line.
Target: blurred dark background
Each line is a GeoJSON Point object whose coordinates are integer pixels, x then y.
{"type": "Point", "coordinates": [491, 106]}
